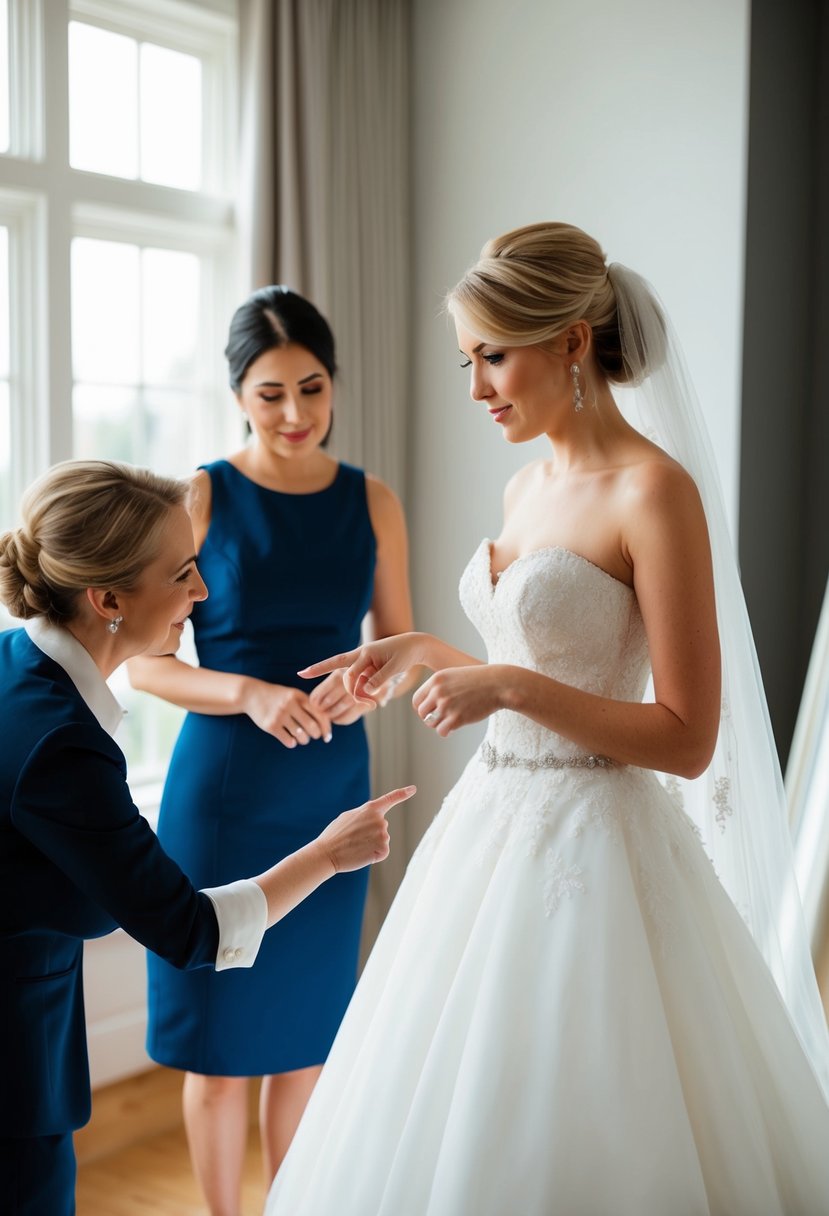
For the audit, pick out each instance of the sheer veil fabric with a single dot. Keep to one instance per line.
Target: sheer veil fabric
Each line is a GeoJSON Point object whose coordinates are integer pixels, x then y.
{"type": "Point", "coordinates": [738, 805]}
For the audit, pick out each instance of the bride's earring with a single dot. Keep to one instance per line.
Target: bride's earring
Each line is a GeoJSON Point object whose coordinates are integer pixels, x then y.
{"type": "Point", "coordinates": [578, 395]}
{"type": "Point", "coordinates": [114, 625]}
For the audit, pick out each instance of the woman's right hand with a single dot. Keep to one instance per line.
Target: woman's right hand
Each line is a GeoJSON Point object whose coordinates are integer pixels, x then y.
{"type": "Point", "coordinates": [354, 839]}
{"type": "Point", "coordinates": [360, 837]}
{"type": "Point", "coordinates": [286, 713]}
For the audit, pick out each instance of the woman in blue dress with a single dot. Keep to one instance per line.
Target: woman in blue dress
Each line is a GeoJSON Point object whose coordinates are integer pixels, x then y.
{"type": "Point", "coordinates": [302, 553]}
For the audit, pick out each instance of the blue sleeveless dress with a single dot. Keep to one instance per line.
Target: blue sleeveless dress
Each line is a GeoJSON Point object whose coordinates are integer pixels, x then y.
{"type": "Point", "coordinates": [290, 578]}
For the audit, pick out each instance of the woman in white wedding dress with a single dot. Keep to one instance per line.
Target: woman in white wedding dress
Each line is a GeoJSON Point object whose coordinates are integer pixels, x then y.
{"type": "Point", "coordinates": [565, 1013]}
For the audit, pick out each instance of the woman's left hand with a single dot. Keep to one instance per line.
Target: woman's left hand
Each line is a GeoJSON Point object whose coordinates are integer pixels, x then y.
{"type": "Point", "coordinates": [332, 697]}
{"type": "Point", "coordinates": [458, 696]}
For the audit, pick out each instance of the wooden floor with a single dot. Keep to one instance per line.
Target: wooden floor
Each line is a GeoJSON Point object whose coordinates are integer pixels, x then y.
{"type": "Point", "coordinates": [133, 1159]}
{"type": "Point", "coordinates": [154, 1178]}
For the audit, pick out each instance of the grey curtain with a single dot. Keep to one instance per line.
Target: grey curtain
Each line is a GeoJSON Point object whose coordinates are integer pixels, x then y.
{"type": "Point", "coordinates": [323, 199]}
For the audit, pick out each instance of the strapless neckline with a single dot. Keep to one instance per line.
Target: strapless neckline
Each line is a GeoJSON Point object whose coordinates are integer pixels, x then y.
{"type": "Point", "coordinates": [495, 581]}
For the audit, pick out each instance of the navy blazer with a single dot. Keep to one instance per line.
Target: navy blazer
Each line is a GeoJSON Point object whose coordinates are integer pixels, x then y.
{"type": "Point", "coordinates": [76, 860]}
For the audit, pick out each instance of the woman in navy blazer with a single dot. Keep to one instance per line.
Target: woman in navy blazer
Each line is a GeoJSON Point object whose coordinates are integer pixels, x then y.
{"type": "Point", "coordinates": [102, 569]}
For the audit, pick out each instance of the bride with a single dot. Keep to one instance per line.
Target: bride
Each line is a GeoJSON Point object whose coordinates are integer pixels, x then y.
{"type": "Point", "coordinates": [570, 1009]}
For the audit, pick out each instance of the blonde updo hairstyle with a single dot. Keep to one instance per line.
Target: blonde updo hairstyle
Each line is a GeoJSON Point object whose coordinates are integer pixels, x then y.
{"type": "Point", "coordinates": [85, 523]}
{"type": "Point", "coordinates": [530, 285]}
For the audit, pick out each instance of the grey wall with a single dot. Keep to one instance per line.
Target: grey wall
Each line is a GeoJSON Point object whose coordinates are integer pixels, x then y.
{"type": "Point", "coordinates": [784, 483]}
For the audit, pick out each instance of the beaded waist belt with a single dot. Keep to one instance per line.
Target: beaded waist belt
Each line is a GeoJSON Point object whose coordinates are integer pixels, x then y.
{"type": "Point", "coordinates": [492, 758]}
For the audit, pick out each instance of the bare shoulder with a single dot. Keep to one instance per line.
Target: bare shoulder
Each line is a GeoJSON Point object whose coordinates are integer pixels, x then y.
{"type": "Point", "coordinates": [384, 507]}
{"type": "Point", "coordinates": [380, 495]}
{"type": "Point", "coordinates": [659, 498]}
{"type": "Point", "coordinates": [657, 480]}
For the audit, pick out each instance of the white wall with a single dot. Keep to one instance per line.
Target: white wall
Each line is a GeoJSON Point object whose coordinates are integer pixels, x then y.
{"type": "Point", "coordinates": [115, 993]}
{"type": "Point", "coordinates": [626, 119]}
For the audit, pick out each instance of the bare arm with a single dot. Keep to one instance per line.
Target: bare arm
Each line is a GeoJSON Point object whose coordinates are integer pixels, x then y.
{"type": "Point", "coordinates": [198, 689]}
{"type": "Point", "coordinates": [666, 539]}
{"type": "Point", "coordinates": [391, 604]}
{"type": "Point", "coordinates": [354, 839]}
{"type": "Point", "coordinates": [367, 668]}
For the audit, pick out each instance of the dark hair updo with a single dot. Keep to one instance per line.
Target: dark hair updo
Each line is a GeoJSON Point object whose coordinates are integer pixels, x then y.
{"type": "Point", "coordinates": [273, 317]}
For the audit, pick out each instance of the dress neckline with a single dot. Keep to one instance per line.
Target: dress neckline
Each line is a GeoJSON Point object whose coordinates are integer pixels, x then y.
{"type": "Point", "coordinates": [496, 580]}
{"type": "Point", "coordinates": [287, 493]}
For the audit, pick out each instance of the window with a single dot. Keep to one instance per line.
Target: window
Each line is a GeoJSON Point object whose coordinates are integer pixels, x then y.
{"type": "Point", "coordinates": [134, 108]}
{"type": "Point", "coordinates": [5, 417]}
{"type": "Point", "coordinates": [143, 369]}
{"type": "Point", "coordinates": [136, 384]}
{"type": "Point", "coordinates": [4, 76]}
{"type": "Point", "coordinates": [116, 252]}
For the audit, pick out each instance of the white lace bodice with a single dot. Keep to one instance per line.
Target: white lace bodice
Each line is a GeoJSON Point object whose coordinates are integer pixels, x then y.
{"type": "Point", "coordinates": [555, 612]}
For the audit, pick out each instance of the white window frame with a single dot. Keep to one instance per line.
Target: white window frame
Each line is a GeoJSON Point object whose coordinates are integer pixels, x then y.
{"type": "Point", "coordinates": [24, 215]}
{"type": "Point", "coordinates": [26, 91]}
{"type": "Point", "coordinates": [63, 202]}
{"type": "Point", "coordinates": [181, 27]}
{"type": "Point", "coordinates": [46, 203]}
{"type": "Point", "coordinates": [220, 427]}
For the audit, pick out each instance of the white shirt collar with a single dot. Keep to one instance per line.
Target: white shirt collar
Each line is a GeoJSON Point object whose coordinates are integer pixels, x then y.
{"type": "Point", "coordinates": [60, 645]}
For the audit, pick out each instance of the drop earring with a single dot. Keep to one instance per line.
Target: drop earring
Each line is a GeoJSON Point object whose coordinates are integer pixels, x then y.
{"type": "Point", "coordinates": [578, 396]}
{"type": "Point", "coordinates": [114, 624]}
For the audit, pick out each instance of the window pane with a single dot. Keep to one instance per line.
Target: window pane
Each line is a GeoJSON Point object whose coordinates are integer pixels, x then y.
{"type": "Point", "coordinates": [103, 101]}
{"type": "Point", "coordinates": [4, 303]}
{"type": "Point", "coordinates": [4, 76]}
{"type": "Point", "coordinates": [171, 432]}
{"type": "Point", "coordinates": [7, 507]}
{"type": "Point", "coordinates": [171, 135]}
{"type": "Point", "coordinates": [107, 423]}
{"type": "Point", "coordinates": [170, 316]}
{"type": "Point", "coordinates": [152, 427]}
{"type": "Point", "coordinates": [105, 312]}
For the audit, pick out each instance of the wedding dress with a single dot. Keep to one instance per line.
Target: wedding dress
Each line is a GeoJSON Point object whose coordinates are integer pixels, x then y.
{"type": "Point", "coordinates": [564, 1013]}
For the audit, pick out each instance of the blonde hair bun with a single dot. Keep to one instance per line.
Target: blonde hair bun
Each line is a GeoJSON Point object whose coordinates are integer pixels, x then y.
{"type": "Point", "coordinates": [21, 588]}
{"type": "Point", "coordinates": [532, 283]}
{"type": "Point", "coordinates": [85, 523]}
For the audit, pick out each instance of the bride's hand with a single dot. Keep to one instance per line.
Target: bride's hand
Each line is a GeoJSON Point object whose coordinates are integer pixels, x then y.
{"type": "Point", "coordinates": [369, 670]}
{"type": "Point", "coordinates": [458, 696]}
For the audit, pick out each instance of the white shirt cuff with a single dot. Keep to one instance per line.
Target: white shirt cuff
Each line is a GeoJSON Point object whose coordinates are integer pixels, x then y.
{"type": "Point", "coordinates": [242, 912]}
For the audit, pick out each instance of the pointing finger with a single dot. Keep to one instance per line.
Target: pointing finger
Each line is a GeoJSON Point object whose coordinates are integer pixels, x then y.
{"type": "Point", "coordinates": [327, 665]}
{"type": "Point", "coordinates": [386, 801]}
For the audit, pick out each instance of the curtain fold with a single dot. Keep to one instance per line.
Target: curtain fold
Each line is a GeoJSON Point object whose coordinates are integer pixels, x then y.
{"type": "Point", "coordinates": [323, 207]}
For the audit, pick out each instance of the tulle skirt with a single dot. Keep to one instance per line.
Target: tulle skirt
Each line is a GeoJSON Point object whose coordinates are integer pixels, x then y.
{"type": "Point", "coordinates": [563, 1014]}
